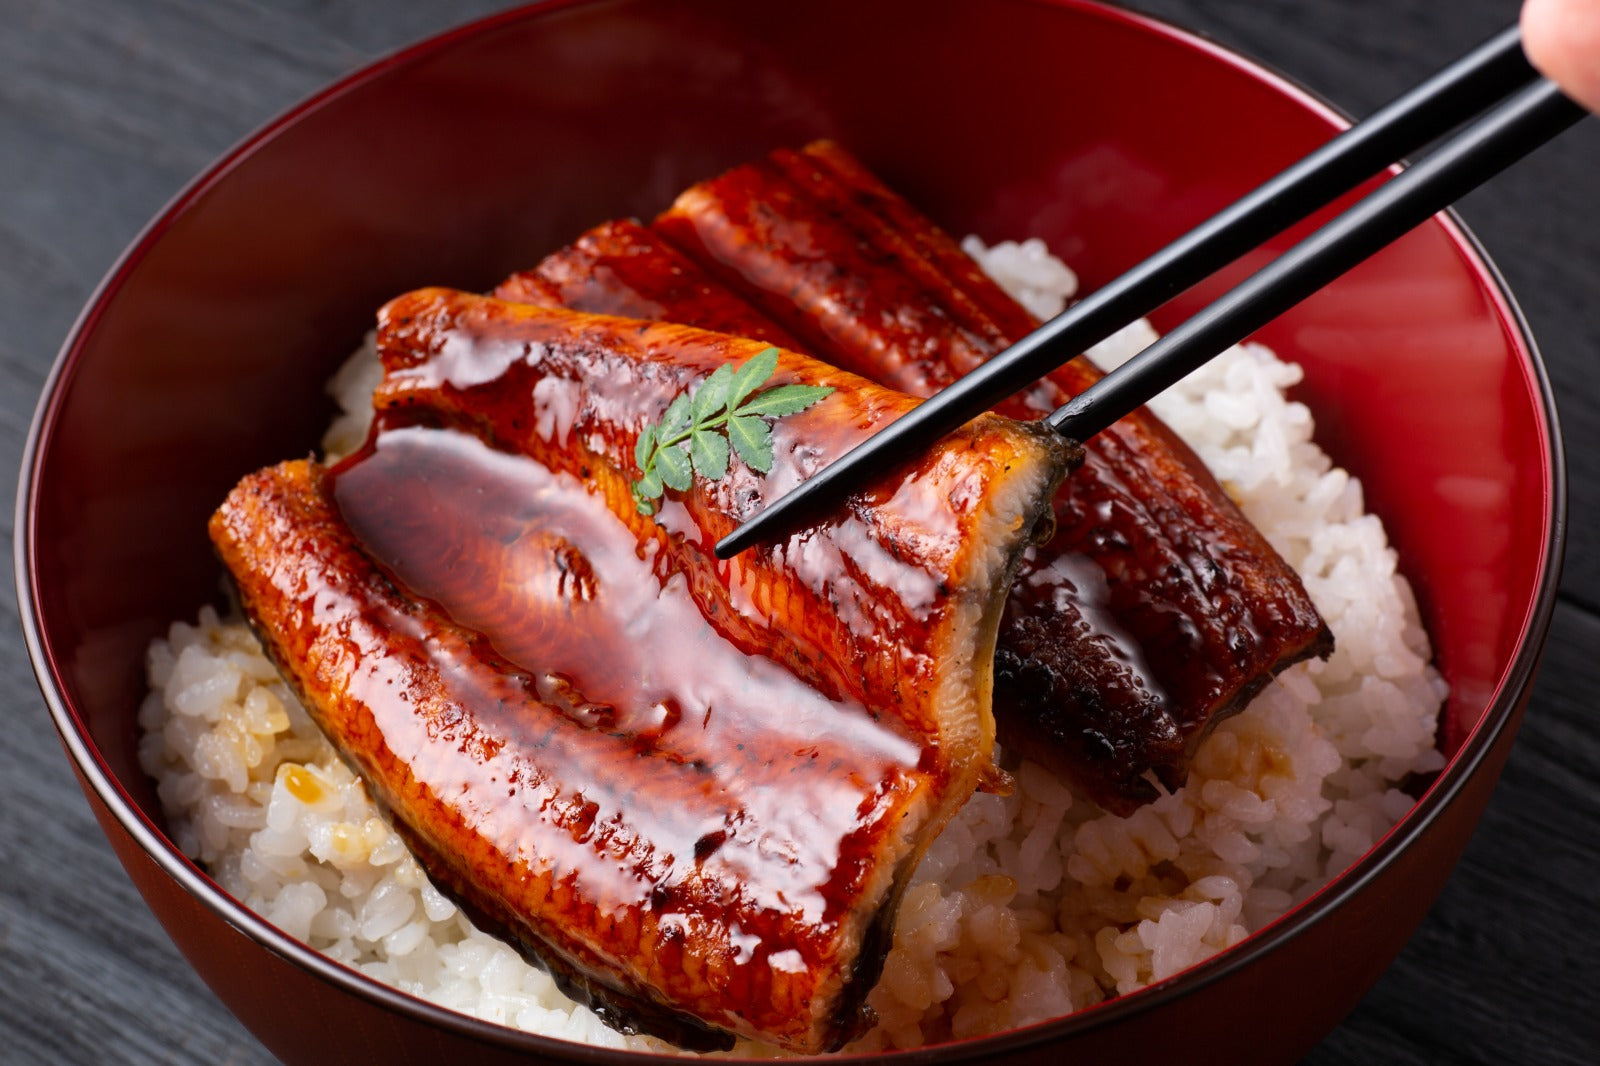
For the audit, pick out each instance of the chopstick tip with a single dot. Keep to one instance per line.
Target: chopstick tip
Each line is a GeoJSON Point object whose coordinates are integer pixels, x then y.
{"type": "Point", "coordinates": [746, 535]}
{"type": "Point", "coordinates": [731, 545]}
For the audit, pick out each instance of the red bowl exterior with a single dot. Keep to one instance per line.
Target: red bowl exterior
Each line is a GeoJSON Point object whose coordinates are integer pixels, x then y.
{"type": "Point", "coordinates": [472, 154]}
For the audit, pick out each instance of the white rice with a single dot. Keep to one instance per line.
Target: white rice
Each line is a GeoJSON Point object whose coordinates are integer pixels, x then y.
{"type": "Point", "coordinates": [1027, 907]}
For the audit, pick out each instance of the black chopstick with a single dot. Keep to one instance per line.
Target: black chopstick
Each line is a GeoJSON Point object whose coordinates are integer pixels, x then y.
{"type": "Point", "coordinates": [1440, 103]}
{"type": "Point", "coordinates": [1509, 132]}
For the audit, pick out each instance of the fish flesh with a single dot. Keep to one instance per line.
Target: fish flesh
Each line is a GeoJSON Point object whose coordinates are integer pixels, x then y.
{"type": "Point", "coordinates": [692, 789]}
{"type": "Point", "coordinates": [1156, 609]}
{"type": "Point", "coordinates": [621, 268]}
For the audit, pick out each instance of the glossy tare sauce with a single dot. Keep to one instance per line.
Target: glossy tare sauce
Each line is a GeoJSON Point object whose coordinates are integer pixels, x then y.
{"type": "Point", "coordinates": [621, 268]}
{"type": "Point", "coordinates": [688, 787]}
{"type": "Point", "coordinates": [1076, 691]}
{"type": "Point", "coordinates": [743, 754]}
{"type": "Point", "coordinates": [1156, 608]}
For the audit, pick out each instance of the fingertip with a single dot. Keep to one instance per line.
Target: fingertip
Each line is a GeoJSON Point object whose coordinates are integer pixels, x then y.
{"type": "Point", "coordinates": [1562, 39]}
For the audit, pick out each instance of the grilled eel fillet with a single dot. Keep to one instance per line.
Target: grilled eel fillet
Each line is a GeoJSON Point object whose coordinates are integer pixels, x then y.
{"type": "Point", "coordinates": [692, 789]}
{"type": "Point", "coordinates": [1074, 689]}
{"type": "Point", "coordinates": [1156, 609]}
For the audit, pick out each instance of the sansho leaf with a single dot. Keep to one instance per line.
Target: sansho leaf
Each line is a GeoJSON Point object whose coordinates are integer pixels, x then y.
{"type": "Point", "coordinates": [709, 450]}
{"type": "Point", "coordinates": [712, 395]}
{"type": "Point", "coordinates": [649, 486]}
{"type": "Point", "coordinates": [784, 400]}
{"type": "Point", "coordinates": [699, 427]}
{"type": "Point", "coordinates": [672, 463]}
{"type": "Point", "coordinates": [645, 447]}
{"type": "Point", "coordinates": [756, 370]}
{"type": "Point", "coordinates": [675, 419]}
{"type": "Point", "coordinates": [646, 491]}
{"type": "Point", "coordinates": [752, 439]}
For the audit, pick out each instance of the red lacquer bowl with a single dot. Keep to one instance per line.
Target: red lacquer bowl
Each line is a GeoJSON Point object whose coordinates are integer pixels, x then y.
{"type": "Point", "coordinates": [203, 354]}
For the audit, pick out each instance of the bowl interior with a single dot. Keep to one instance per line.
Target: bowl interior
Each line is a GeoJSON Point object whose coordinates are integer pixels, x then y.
{"type": "Point", "coordinates": [203, 356]}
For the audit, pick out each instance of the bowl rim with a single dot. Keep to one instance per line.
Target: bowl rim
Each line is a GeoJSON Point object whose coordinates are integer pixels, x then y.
{"type": "Point", "coordinates": [1498, 715]}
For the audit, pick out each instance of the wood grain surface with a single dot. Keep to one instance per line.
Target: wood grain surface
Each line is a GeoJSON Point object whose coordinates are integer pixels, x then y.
{"type": "Point", "coordinates": [107, 107]}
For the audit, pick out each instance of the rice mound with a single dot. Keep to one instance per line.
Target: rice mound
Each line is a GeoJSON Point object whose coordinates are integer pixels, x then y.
{"type": "Point", "coordinates": [1027, 907]}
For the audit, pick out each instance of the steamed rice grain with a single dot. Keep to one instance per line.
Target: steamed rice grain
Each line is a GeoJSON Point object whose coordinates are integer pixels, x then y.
{"type": "Point", "coordinates": [1028, 906]}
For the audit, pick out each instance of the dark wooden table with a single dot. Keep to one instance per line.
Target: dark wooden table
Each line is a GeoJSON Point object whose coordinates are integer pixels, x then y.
{"type": "Point", "coordinates": [107, 107]}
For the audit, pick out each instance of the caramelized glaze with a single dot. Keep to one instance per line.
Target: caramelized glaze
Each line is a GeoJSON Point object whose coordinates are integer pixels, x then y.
{"type": "Point", "coordinates": [690, 788]}
{"type": "Point", "coordinates": [1156, 608]}
{"type": "Point", "coordinates": [621, 268]}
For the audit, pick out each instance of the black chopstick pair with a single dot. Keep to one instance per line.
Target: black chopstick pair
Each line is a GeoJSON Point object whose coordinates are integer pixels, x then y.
{"type": "Point", "coordinates": [1531, 110]}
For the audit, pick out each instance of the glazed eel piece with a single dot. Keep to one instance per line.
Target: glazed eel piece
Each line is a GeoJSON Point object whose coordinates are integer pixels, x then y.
{"type": "Point", "coordinates": [1156, 609]}
{"type": "Point", "coordinates": [1077, 689]}
{"type": "Point", "coordinates": [691, 789]}
{"type": "Point", "coordinates": [621, 268]}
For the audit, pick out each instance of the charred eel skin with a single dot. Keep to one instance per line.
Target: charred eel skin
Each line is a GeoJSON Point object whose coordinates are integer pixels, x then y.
{"type": "Point", "coordinates": [621, 268]}
{"type": "Point", "coordinates": [1154, 612]}
{"type": "Point", "coordinates": [1071, 682]}
{"type": "Point", "coordinates": [1156, 609]}
{"type": "Point", "coordinates": [692, 789]}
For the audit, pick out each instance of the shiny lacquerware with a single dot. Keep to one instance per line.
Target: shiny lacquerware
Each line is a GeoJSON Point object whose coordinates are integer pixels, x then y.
{"type": "Point", "coordinates": [691, 789]}
{"type": "Point", "coordinates": [466, 158]}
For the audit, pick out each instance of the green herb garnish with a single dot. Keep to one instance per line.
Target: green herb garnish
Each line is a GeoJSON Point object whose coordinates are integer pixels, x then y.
{"type": "Point", "coordinates": [698, 427]}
